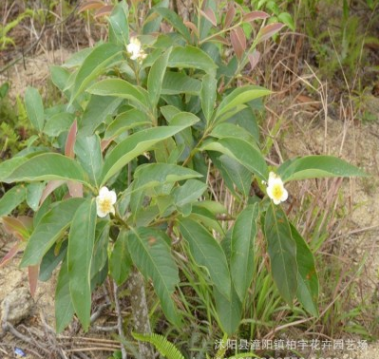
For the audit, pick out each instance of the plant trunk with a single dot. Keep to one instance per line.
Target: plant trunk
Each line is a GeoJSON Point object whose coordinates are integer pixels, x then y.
{"type": "Point", "coordinates": [136, 285]}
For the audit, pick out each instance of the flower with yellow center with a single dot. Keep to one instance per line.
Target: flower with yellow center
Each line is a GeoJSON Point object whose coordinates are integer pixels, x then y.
{"type": "Point", "coordinates": [105, 201]}
{"type": "Point", "coordinates": [134, 48]}
{"type": "Point", "coordinates": [275, 189]}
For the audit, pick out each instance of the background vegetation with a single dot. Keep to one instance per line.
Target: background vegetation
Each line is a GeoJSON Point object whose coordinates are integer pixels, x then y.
{"type": "Point", "coordinates": [326, 64]}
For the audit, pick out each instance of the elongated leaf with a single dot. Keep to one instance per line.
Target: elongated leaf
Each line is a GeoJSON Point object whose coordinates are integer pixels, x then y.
{"type": "Point", "coordinates": [317, 167]}
{"type": "Point", "coordinates": [79, 256]}
{"type": "Point", "coordinates": [64, 310]}
{"type": "Point", "coordinates": [9, 166]}
{"type": "Point", "coordinates": [255, 15]}
{"type": "Point", "coordinates": [191, 57]}
{"type": "Point", "coordinates": [209, 15]}
{"type": "Point", "coordinates": [51, 260]}
{"type": "Point", "coordinates": [46, 167]}
{"type": "Point", "coordinates": [282, 252]}
{"type": "Point", "coordinates": [11, 254]}
{"type": "Point", "coordinates": [242, 250]}
{"type": "Point", "coordinates": [97, 111]}
{"type": "Point", "coordinates": [208, 96]}
{"type": "Point", "coordinates": [240, 96]}
{"type": "Point", "coordinates": [154, 174]}
{"type": "Point", "coordinates": [122, 89]}
{"type": "Point", "coordinates": [307, 290]}
{"type": "Point", "coordinates": [189, 192]}
{"type": "Point", "coordinates": [33, 278]}
{"type": "Point", "coordinates": [238, 40]}
{"type": "Point", "coordinates": [127, 120]}
{"type": "Point", "coordinates": [58, 123]}
{"type": "Point", "coordinates": [120, 262]}
{"type": "Point", "coordinates": [88, 152]}
{"type": "Point", "coordinates": [70, 140]}
{"type": "Point", "coordinates": [51, 227]}
{"type": "Point", "coordinates": [208, 253]}
{"type": "Point", "coordinates": [21, 227]}
{"type": "Point", "coordinates": [243, 152]}
{"type": "Point", "coordinates": [151, 254]}
{"type": "Point", "coordinates": [229, 311]}
{"type": "Point", "coordinates": [177, 82]}
{"type": "Point", "coordinates": [229, 17]}
{"type": "Point", "coordinates": [155, 78]}
{"type": "Point", "coordinates": [118, 23]}
{"type": "Point", "coordinates": [35, 191]}
{"type": "Point", "coordinates": [268, 31]}
{"type": "Point", "coordinates": [175, 21]}
{"type": "Point", "coordinates": [137, 144]}
{"type": "Point", "coordinates": [99, 263]}
{"type": "Point", "coordinates": [34, 108]}
{"type": "Point", "coordinates": [12, 199]}
{"type": "Point", "coordinates": [94, 64]}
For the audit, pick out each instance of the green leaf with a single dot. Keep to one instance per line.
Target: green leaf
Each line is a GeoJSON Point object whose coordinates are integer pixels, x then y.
{"type": "Point", "coordinates": [34, 108]}
{"type": "Point", "coordinates": [240, 96]}
{"type": "Point", "coordinates": [9, 166]}
{"type": "Point", "coordinates": [51, 260]}
{"type": "Point", "coordinates": [58, 123]}
{"type": "Point", "coordinates": [243, 152]}
{"type": "Point", "coordinates": [12, 199]}
{"type": "Point", "coordinates": [208, 96]}
{"type": "Point", "coordinates": [230, 130]}
{"type": "Point", "coordinates": [282, 252]}
{"type": "Point", "coordinates": [127, 120]}
{"type": "Point", "coordinates": [137, 144]}
{"type": "Point", "coordinates": [175, 21]}
{"type": "Point", "coordinates": [122, 89]}
{"type": "Point", "coordinates": [156, 75]}
{"type": "Point", "coordinates": [88, 152]}
{"type": "Point", "coordinates": [64, 310]}
{"type": "Point", "coordinates": [165, 348]}
{"type": "Point", "coordinates": [317, 167]}
{"type": "Point", "coordinates": [229, 311]}
{"type": "Point", "coordinates": [191, 57]}
{"type": "Point", "coordinates": [207, 253]}
{"type": "Point", "coordinates": [307, 289]}
{"type": "Point", "coordinates": [34, 195]}
{"type": "Point", "coordinates": [96, 112]}
{"type": "Point", "coordinates": [99, 263]}
{"type": "Point", "coordinates": [80, 250]}
{"type": "Point", "coordinates": [46, 167]}
{"type": "Point", "coordinates": [175, 83]}
{"type": "Point", "coordinates": [151, 254]}
{"type": "Point", "coordinates": [119, 26]}
{"type": "Point", "coordinates": [155, 174]}
{"type": "Point", "coordinates": [49, 229]}
{"type": "Point", "coordinates": [233, 173]}
{"type": "Point", "coordinates": [93, 65]}
{"type": "Point", "coordinates": [287, 19]}
{"type": "Point", "coordinates": [120, 262]}
{"type": "Point", "coordinates": [242, 250]}
{"type": "Point", "coordinates": [189, 192]}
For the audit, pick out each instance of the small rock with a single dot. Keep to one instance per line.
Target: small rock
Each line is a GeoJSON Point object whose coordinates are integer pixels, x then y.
{"type": "Point", "coordinates": [20, 305]}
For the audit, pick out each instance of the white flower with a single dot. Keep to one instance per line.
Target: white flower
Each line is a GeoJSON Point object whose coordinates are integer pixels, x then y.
{"type": "Point", "coordinates": [105, 201]}
{"type": "Point", "coordinates": [275, 189]}
{"type": "Point", "coordinates": [134, 48]}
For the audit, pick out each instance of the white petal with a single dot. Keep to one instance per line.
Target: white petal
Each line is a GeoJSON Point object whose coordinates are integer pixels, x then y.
{"type": "Point", "coordinates": [113, 197]}
{"type": "Point", "coordinates": [103, 192]}
{"type": "Point", "coordinates": [276, 201]}
{"type": "Point", "coordinates": [269, 191]}
{"type": "Point", "coordinates": [100, 213]}
{"type": "Point", "coordinates": [285, 195]}
{"type": "Point", "coordinates": [112, 210]}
